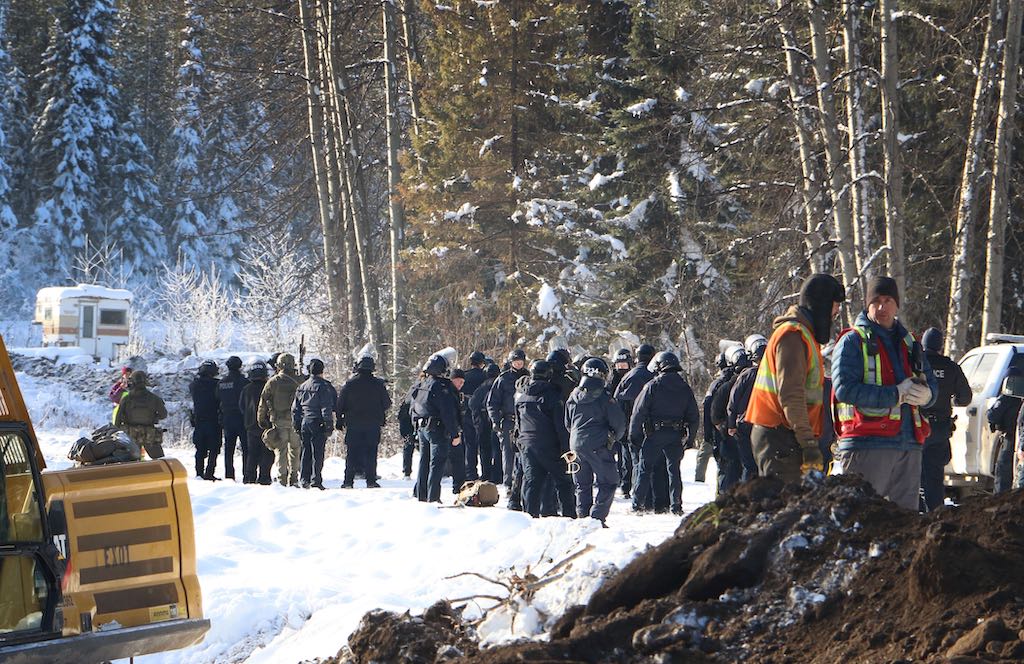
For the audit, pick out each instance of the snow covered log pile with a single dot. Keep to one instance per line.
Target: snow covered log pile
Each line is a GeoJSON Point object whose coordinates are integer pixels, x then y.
{"type": "Point", "coordinates": [823, 572]}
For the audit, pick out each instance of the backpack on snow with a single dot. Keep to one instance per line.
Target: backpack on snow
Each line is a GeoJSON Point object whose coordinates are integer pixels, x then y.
{"type": "Point", "coordinates": [478, 493]}
{"type": "Point", "coordinates": [104, 445]}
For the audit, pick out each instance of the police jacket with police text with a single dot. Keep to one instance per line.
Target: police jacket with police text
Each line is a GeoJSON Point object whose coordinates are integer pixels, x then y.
{"type": "Point", "coordinates": [501, 400]}
{"type": "Point", "coordinates": [249, 402]}
{"type": "Point", "coordinates": [230, 390]}
{"type": "Point", "coordinates": [593, 417]}
{"type": "Point", "coordinates": [953, 387]}
{"type": "Point", "coordinates": [667, 398]}
{"type": "Point", "coordinates": [363, 401]}
{"type": "Point", "coordinates": [540, 417]}
{"type": "Point", "coordinates": [205, 399]}
{"type": "Point", "coordinates": [314, 402]}
{"type": "Point", "coordinates": [435, 399]}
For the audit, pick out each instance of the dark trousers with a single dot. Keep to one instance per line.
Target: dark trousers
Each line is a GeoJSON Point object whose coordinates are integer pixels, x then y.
{"type": "Point", "coordinates": [657, 498]}
{"type": "Point", "coordinates": [311, 460]}
{"type": "Point", "coordinates": [540, 465]}
{"type": "Point", "coordinates": [234, 432]}
{"type": "Point", "coordinates": [206, 438]}
{"type": "Point", "coordinates": [457, 466]}
{"type": "Point", "coordinates": [259, 460]}
{"type": "Point", "coordinates": [470, 450]}
{"type": "Point", "coordinates": [497, 458]}
{"type": "Point", "coordinates": [777, 452]}
{"type": "Point", "coordinates": [515, 493]}
{"type": "Point", "coordinates": [730, 468]}
{"type": "Point", "coordinates": [485, 449]}
{"type": "Point", "coordinates": [624, 465]}
{"type": "Point", "coordinates": [362, 444]}
{"type": "Point", "coordinates": [746, 452]}
{"type": "Point", "coordinates": [408, 447]}
{"type": "Point", "coordinates": [1004, 464]}
{"type": "Point", "coordinates": [934, 457]}
{"type": "Point", "coordinates": [596, 465]}
{"type": "Point", "coordinates": [508, 455]}
{"type": "Point", "coordinates": [666, 445]}
{"type": "Point", "coordinates": [435, 447]}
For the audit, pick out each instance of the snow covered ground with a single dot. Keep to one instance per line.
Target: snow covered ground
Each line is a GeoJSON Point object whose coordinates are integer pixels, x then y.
{"type": "Point", "coordinates": [286, 573]}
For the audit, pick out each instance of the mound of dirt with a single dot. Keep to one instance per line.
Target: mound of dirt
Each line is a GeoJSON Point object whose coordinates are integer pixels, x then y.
{"type": "Point", "coordinates": [822, 572]}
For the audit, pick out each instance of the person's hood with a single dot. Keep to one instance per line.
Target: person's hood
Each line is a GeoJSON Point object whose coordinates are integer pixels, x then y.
{"type": "Point", "coordinates": [795, 314]}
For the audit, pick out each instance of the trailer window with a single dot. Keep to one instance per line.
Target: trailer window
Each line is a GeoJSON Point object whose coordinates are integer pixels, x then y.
{"type": "Point", "coordinates": [113, 317]}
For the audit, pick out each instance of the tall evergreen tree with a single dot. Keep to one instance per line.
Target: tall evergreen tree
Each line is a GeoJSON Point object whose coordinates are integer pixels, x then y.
{"type": "Point", "coordinates": [133, 225]}
{"type": "Point", "coordinates": [8, 220]}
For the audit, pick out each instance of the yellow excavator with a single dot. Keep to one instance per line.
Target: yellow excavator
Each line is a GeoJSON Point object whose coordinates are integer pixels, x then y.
{"type": "Point", "coordinates": [96, 562]}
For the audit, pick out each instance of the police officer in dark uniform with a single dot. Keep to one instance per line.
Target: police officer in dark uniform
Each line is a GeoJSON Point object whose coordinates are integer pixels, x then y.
{"type": "Point", "coordinates": [363, 404]}
{"type": "Point", "coordinates": [664, 423]}
{"type": "Point", "coordinates": [313, 418]}
{"type": "Point", "coordinates": [230, 388]}
{"type": "Point", "coordinates": [712, 437]}
{"type": "Point", "coordinates": [730, 468]}
{"type": "Point", "coordinates": [953, 390]}
{"type": "Point", "coordinates": [490, 446]}
{"type": "Point", "coordinates": [1002, 418]}
{"type": "Point", "coordinates": [434, 410]}
{"type": "Point", "coordinates": [473, 378]}
{"type": "Point", "coordinates": [408, 433]}
{"type": "Point", "coordinates": [501, 409]}
{"type": "Point", "coordinates": [205, 418]}
{"type": "Point", "coordinates": [543, 438]}
{"type": "Point", "coordinates": [626, 394]}
{"type": "Point", "coordinates": [622, 364]}
{"type": "Point", "coordinates": [259, 459]}
{"type": "Point", "coordinates": [560, 361]}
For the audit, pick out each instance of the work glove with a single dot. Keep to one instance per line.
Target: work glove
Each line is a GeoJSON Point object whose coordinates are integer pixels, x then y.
{"type": "Point", "coordinates": [918, 395]}
{"type": "Point", "coordinates": [904, 389]}
{"type": "Point", "coordinates": [812, 459]}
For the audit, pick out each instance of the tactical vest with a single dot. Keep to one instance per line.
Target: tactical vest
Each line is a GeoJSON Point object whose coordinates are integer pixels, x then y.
{"type": "Point", "coordinates": [764, 408]}
{"type": "Point", "coordinates": [139, 409]}
{"type": "Point", "coordinates": [282, 393]}
{"type": "Point", "coordinates": [856, 421]}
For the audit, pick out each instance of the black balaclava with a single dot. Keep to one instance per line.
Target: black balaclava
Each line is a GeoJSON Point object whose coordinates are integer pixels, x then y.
{"type": "Point", "coordinates": [817, 294]}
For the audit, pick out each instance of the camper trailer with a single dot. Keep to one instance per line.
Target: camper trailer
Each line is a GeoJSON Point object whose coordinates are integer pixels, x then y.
{"type": "Point", "coordinates": [91, 317]}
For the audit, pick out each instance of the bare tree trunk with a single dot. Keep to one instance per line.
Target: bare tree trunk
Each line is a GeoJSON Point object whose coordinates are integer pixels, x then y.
{"type": "Point", "coordinates": [961, 270]}
{"type": "Point", "coordinates": [991, 315]}
{"type": "Point", "coordinates": [326, 196]}
{"type": "Point", "coordinates": [412, 56]}
{"type": "Point", "coordinates": [839, 190]}
{"type": "Point", "coordinates": [396, 213]}
{"type": "Point", "coordinates": [812, 182]}
{"type": "Point", "coordinates": [891, 146]}
{"type": "Point", "coordinates": [513, 99]}
{"type": "Point", "coordinates": [856, 141]}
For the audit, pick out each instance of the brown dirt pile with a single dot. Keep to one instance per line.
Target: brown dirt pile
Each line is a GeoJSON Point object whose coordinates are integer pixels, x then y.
{"type": "Point", "coordinates": [823, 572]}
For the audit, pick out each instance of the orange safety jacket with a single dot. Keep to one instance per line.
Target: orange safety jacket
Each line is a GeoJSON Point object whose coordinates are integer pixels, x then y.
{"type": "Point", "coordinates": [764, 408]}
{"type": "Point", "coordinates": [853, 421]}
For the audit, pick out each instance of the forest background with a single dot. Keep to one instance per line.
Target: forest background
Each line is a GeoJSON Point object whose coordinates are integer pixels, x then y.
{"type": "Point", "coordinates": [498, 173]}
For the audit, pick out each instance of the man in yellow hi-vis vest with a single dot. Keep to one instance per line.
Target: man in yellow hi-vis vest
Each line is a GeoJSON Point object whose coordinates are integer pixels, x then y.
{"type": "Point", "coordinates": [786, 405]}
{"type": "Point", "coordinates": [881, 379]}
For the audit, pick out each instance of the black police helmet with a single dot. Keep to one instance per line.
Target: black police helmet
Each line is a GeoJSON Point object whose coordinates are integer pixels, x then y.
{"type": "Point", "coordinates": [366, 363]}
{"type": "Point", "coordinates": [540, 370]}
{"type": "Point", "coordinates": [721, 361]}
{"type": "Point", "coordinates": [208, 368]}
{"type": "Point", "coordinates": [517, 354]}
{"type": "Point", "coordinates": [234, 363]}
{"type": "Point", "coordinates": [272, 362]}
{"type": "Point", "coordinates": [623, 355]}
{"type": "Point", "coordinates": [561, 356]}
{"type": "Point", "coordinates": [436, 365]}
{"type": "Point", "coordinates": [644, 353]}
{"type": "Point", "coordinates": [257, 370]}
{"type": "Point", "coordinates": [595, 367]}
{"type": "Point", "coordinates": [315, 367]}
{"type": "Point", "coordinates": [477, 358]}
{"type": "Point", "coordinates": [666, 361]}
{"type": "Point", "coordinates": [492, 370]}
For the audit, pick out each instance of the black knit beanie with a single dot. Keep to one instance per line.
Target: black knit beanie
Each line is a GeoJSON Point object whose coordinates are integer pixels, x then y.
{"type": "Point", "coordinates": [879, 286]}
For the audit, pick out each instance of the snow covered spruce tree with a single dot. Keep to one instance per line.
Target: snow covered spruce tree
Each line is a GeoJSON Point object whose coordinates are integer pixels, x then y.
{"type": "Point", "coordinates": [133, 226]}
{"type": "Point", "coordinates": [8, 95]}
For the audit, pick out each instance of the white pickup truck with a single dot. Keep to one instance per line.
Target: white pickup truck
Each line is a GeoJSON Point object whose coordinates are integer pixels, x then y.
{"type": "Point", "coordinates": [971, 468]}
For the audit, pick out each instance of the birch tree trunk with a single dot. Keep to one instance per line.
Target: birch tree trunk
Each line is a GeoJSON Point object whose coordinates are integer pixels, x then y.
{"type": "Point", "coordinates": [967, 208]}
{"type": "Point", "coordinates": [811, 183]}
{"type": "Point", "coordinates": [326, 196]}
{"type": "Point", "coordinates": [396, 213]}
{"type": "Point", "coordinates": [412, 56]}
{"type": "Point", "coordinates": [856, 142]}
{"type": "Point", "coordinates": [839, 189]}
{"type": "Point", "coordinates": [513, 100]}
{"type": "Point", "coordinates": [991, 316]}
{"type": "Point", "coordinates": [890, 147]}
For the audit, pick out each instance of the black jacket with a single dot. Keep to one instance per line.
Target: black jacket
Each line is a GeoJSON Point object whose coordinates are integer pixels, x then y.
{"type": "Point", "coordinates": [709, 428]}
{"type": "Point", "coordinates": [501, 400]}
{"type": "Point", "coordinates": [720, 401]}
{"type": "Point", "coordinates": [405, 427]}
{"type": "Point", "coordinates": [739, 397]}
{"type": "Point", "coordinates": [314, 401]}
{"type": "Point", "coordinates": [363, 401]}
{"type": "Point", "coordinates": [475, 377]}
{"type": "Point", "coordinates": [1002, 415]}
{"type": "Point", "coordinates": [953, 387]}
{"type": "Point", "coordinates": [593, 417]}
{"type": "Point", "coordinates": [205, 399]}
{"type": "Point", "coordinates": [540, 418]}
{"type": "Point", "coordinates": [249, 402]}
{"type": "Point", "coordinates": [437, 399]}
{"type": "Point", "coordinates": [666, 398]}
{"type": "Point", "coordinates": [230, 390]}
{"type": "Point", "coordinates": [478, 403]}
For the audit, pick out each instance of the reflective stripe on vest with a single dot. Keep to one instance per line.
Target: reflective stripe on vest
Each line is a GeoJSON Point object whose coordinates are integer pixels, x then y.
{"type": "Point", "coordinates": [764, 407]}
{"type": "Point", "coordinates": [852, 420]}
